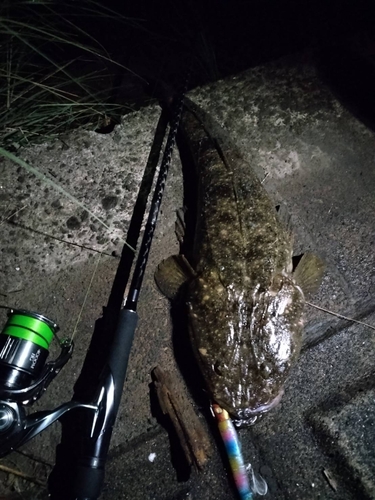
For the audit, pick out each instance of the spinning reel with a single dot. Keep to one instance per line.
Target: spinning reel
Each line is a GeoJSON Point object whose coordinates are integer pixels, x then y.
{"type": "Point", "coordinates": [25, 375]}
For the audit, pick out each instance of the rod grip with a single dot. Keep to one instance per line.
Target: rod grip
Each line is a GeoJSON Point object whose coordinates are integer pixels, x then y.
{"type": "Point", "coordinates": [83, 459]}
{"type": "Point", "coordinates": [88, 483]}
{"type": "Point", "coordinates": [120, 351]}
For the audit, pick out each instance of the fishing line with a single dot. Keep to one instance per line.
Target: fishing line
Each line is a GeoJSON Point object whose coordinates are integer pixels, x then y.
{"type": "Point", "coordinates": [341, 316]}
{"type": "Point", "coordinates": [50, 236]}
{"type": "Point", "coordinates": [86, 295]}
{"type": "Point", "coordinates": [12, 215]}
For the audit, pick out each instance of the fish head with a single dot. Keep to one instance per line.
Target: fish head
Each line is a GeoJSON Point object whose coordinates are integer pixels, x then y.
{"type": "Point", "coordinates": [246, 337]}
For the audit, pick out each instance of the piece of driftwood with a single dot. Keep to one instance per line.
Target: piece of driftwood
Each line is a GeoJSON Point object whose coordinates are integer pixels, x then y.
{"type": "Point", "coordinates": [191, 433]}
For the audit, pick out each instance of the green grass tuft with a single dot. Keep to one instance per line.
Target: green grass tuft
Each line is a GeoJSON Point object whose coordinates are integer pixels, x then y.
{"type": "Point", "coordinates": [54, 75]}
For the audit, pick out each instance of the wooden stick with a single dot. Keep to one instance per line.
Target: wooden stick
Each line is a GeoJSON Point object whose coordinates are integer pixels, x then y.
{"type": "Point", "coordinates": [191, 433]}
{"type": "Point", "coordinates": [18, 473]}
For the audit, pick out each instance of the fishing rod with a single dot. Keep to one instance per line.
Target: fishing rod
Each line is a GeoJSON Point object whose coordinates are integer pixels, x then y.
{"type": "Point", "coordinates": [25, 374]}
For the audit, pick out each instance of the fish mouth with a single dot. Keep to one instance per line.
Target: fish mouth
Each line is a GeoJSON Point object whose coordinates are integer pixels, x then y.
{"type": "Point", "coordinates": [266, 407]}
{"type": "Point", "coordinates": [249, 416]}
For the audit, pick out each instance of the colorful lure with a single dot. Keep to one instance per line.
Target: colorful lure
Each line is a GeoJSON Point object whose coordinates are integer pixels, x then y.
{"type": "Point", "coordinates": [232, 447]}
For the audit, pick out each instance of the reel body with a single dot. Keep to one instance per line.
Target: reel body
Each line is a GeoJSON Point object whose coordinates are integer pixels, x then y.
{"type": "Point", "coordinates": [25, 375]}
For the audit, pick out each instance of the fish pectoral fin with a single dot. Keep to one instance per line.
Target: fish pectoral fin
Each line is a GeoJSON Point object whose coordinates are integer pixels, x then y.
{"type": "Point", "coordinates": [309, 272]}
{"type": "Point", "coordinates": [172, 273]}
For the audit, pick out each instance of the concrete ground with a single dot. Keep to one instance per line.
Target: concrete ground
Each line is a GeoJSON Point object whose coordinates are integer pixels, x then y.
{"type": "Point", "coordinates": [318, 160]}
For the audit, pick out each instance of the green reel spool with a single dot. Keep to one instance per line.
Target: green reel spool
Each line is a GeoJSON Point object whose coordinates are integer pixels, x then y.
{"type": "Point", "coordinates": [24, 344]}
{"type": "Point", "coordinates": [30, 326]}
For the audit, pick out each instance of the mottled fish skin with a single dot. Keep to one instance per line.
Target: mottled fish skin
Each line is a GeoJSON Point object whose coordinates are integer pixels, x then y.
{"type": "Point", "coordinates": [245, 309]}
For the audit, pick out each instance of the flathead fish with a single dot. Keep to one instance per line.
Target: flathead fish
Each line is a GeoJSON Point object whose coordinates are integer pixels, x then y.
{"type": "Point", "coordinates": [244, 303]}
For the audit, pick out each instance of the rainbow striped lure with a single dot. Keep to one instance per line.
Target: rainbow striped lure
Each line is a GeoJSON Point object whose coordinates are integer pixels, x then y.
{"type": "Point", "coordinates": [232, 447]}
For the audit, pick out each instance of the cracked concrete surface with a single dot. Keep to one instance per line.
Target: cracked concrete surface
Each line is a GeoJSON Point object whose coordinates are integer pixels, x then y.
{"type": "Point", "coordinates": [317, 160]}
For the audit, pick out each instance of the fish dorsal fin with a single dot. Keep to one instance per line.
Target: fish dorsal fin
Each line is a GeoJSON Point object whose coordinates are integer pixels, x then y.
{"type": "Point", "coordinates": [309, 273]}
{"type": "Point", "coordinates": [172, 273]}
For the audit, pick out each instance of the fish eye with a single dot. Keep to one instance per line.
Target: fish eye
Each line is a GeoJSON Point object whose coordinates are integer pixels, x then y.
{"type": "Point", "coordinates": [265, 370]}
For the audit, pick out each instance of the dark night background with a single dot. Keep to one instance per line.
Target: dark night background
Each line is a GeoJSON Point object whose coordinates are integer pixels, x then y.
{"type": "Point", "coordinates": [148, 43]}
{"type": "Point", "coordinates": [220, 38]}
{"type": "Point", "coordinates": [237, 34]}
